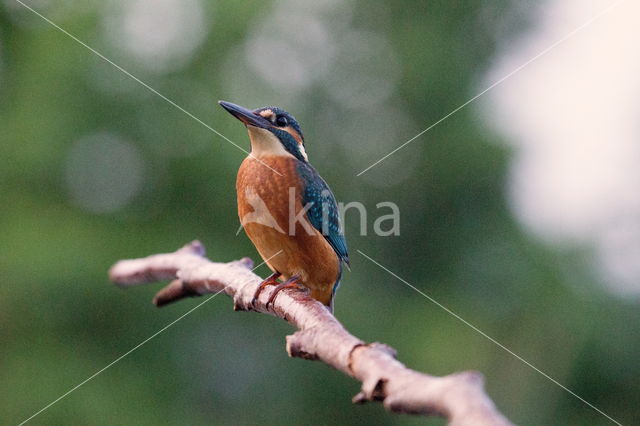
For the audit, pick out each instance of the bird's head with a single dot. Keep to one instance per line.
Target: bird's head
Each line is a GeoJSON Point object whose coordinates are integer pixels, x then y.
{"type": "Point", "coordinates": [273, 131]}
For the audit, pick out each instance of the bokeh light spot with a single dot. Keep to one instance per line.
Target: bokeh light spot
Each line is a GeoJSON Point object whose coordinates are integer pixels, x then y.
{"type": "Point", "coordinates": [573, 117]}
{"type": "Point", "coordinates": [104, 173]}
{"type": "Point", "coordinates": [365, 72]}
{"type": "Point", "coordinates": [162, 35]}
{"type": "Point", "coordinates": [364, 140]}
{"type": "Point", "coordinates": [290, 49]}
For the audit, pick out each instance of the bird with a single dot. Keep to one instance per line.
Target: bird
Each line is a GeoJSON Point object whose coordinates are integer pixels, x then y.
{"type": "Point", "coordinates": [287, 209]}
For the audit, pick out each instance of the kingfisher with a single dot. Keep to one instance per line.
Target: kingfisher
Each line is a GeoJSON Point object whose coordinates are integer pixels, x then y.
{"type": "Point", "coordinates": [286, 209]}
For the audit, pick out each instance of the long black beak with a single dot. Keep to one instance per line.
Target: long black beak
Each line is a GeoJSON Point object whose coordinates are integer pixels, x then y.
{"type": "Point", "coordinates": [247, 116]}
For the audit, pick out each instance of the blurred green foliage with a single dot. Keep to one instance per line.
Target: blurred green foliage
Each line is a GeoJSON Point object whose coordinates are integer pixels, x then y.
{"type": "Point", "coordinates": [61, 320]}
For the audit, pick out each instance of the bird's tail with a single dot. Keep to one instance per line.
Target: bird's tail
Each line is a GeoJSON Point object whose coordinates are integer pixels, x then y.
{"type": "Point", "coordinates": [335, 289]}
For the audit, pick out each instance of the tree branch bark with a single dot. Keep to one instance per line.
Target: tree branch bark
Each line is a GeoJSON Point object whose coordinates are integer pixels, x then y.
{"type": "Point", "coordinates": [459, 397]}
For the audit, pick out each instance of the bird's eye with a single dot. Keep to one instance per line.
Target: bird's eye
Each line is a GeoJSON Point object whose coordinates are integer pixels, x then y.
{"type": "Point", "coordinates": [281, 121]}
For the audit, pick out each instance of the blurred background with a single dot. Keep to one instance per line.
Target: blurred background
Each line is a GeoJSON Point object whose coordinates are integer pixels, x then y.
{"type": "Point", "coordinates": [521, 212]}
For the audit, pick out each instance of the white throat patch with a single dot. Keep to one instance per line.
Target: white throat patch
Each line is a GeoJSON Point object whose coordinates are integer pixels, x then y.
{"type": "Point", "coordinates": [302, 151]}
{"type": "Point", "coordinates": [264, 143]}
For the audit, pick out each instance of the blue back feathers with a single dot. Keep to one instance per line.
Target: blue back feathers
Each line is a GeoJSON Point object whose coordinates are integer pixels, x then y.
{"type": "Point", "coordinates": [323, 213]}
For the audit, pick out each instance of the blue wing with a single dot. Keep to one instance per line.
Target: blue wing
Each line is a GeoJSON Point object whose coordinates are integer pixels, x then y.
{"type": "Point", "coordinates": [323, 213]}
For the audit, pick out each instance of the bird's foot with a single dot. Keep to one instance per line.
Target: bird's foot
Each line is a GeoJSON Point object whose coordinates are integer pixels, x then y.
{"type": "Point", "coordinates": [270, 280]}
{"type": "Point", "coordinates": [290, 283]}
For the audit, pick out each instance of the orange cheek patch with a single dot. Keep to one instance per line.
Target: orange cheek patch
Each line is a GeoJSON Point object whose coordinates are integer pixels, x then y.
{"type": "Point", "coordinates": [293, 133]}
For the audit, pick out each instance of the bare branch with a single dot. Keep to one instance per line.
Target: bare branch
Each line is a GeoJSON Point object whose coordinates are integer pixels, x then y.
{"type": "Point", "coordinates": [459, 397]}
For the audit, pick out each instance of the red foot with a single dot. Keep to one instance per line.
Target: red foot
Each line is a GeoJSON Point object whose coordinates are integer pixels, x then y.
{"type": "Point", "coordinates": [290, 283]}
{"type": "Point", "coordinates": [270, 280]}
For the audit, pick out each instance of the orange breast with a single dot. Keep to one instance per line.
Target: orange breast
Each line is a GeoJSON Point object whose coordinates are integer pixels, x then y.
{"type": "Point", "coordinates": [267, 204]}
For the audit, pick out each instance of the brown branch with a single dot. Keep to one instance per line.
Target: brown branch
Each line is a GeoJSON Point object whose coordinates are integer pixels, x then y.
{"type": "Point", "coordinates": [459, 397]}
